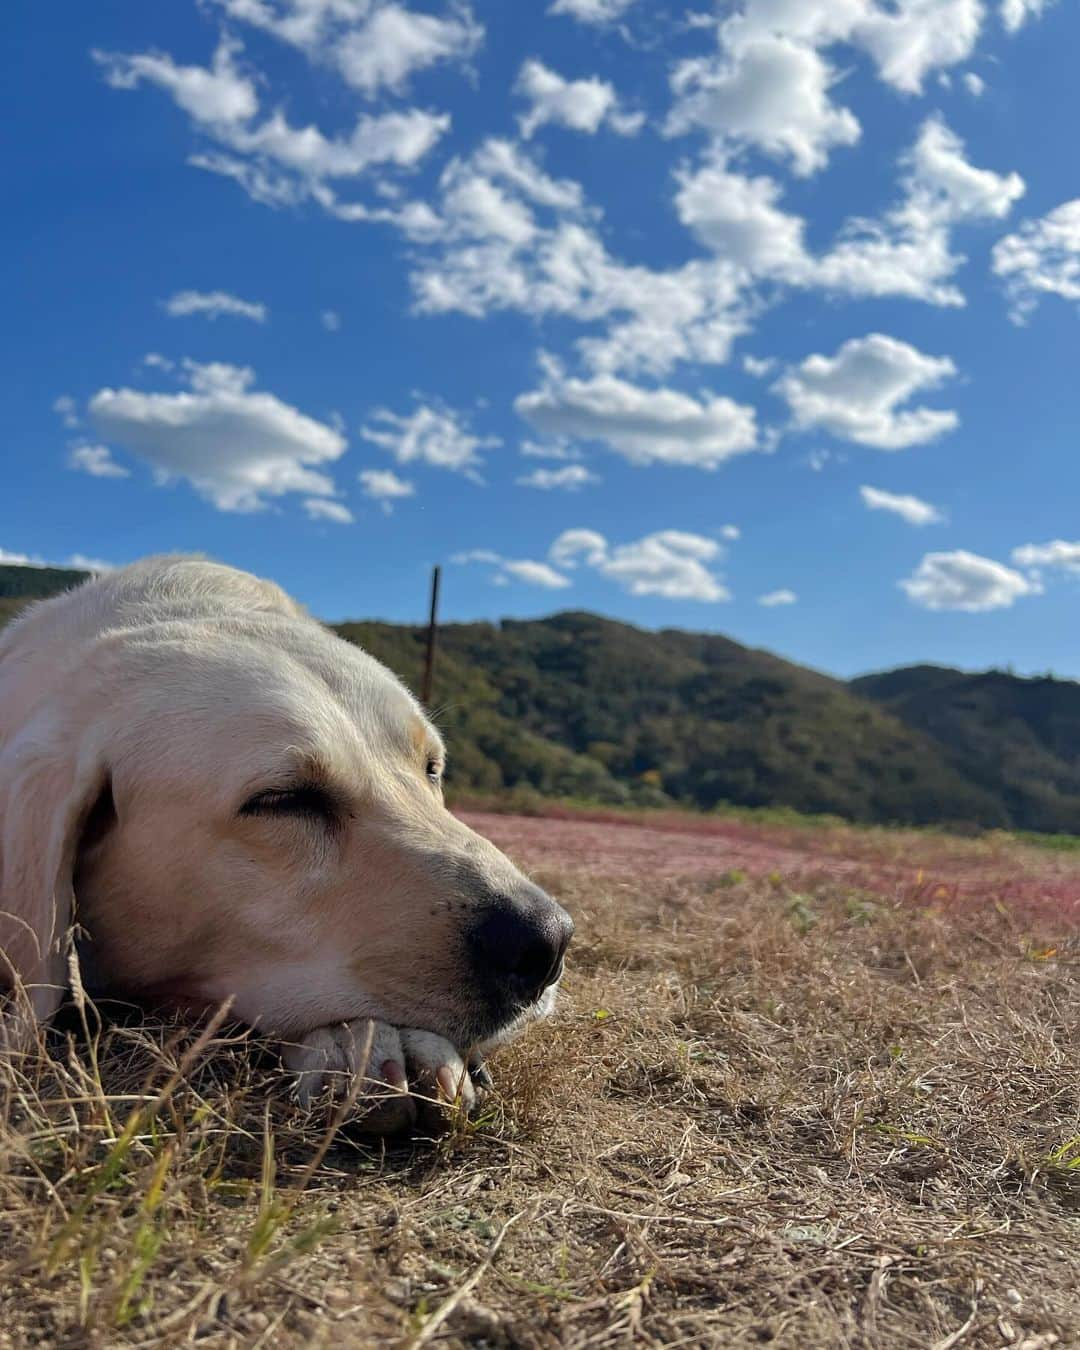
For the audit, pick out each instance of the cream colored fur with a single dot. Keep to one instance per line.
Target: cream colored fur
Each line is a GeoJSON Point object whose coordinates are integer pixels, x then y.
{"type": "Point", "coordinates": [181, 688]}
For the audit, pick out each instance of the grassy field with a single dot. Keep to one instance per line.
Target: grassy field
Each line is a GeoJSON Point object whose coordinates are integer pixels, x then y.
{"type": "Point", "coordinates": [810, 1088]}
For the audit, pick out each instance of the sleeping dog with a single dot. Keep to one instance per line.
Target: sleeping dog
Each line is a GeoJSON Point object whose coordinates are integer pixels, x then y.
{"type": "Point", "coordinates": [223, 800]}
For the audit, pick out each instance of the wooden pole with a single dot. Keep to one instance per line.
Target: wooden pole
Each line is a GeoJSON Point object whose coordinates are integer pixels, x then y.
{"type": "Point", "coordinates": [433, 626]}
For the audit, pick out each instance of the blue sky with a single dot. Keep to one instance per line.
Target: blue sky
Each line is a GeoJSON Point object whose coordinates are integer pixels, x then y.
{"type": "Point", "coordinates": [758, 318]}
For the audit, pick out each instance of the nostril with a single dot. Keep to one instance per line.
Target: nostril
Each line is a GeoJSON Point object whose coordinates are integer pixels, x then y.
{"type": "Point", "coordinates": [520, 949]}
{"type": "Point", "coordinates": [537, 965]}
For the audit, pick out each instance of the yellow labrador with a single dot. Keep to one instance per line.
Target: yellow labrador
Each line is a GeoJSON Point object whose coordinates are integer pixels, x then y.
{"type": "Point", "coordinates": [231, 802]}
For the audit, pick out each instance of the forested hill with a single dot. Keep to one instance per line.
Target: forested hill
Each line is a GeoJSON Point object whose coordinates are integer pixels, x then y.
{"type": "Point", "coordinates": [1018, 739]}
{"type": "Point", "coordinates": [578, 705]}
{"type": "Point", "coordinates": [19, 585]}
{"type": "Point", "coordinates": [675, 716]}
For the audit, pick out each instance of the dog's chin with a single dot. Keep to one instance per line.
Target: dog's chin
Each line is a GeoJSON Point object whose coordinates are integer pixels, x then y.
{"type": "Point", "coordinates": [487, 1036]}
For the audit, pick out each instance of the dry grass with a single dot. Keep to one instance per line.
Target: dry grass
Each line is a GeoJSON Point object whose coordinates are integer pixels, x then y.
{"type": "Point", "coordinates": [763, 1116]}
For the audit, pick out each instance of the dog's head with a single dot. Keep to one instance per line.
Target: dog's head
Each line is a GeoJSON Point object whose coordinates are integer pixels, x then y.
{"type": "Point", "coordinates": [253, 808]}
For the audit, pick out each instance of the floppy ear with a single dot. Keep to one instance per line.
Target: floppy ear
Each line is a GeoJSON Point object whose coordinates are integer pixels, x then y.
{"type": "Point", "coordinates": [50, 777]}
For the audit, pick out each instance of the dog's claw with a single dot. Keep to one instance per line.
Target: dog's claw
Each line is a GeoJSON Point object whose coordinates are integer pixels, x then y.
{"type": "Point", "coordinates": [394, 1074]}
{"type": "Point", "coordinates": [439, 1078]}
{"type": "Point", "coordinates": [482, 1079]}
{"type": "Point", "coordinates": [327, 1061]}
{"type": "Point", "coordinates": [412, 1077]}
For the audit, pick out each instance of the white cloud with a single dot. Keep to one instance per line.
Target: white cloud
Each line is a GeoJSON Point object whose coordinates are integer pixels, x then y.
{"type": "Point", "coordinates": [906, 39]}
{"type": "Point", "coordinates": [66, 409]}
{"type": "Point", "coordinates": [301, 23]}
{"type": "Point", "coordinates": [964, 581]}
{"type": "Point", "coordinates": [944, 186]}
{"type": "Point", "coordinates": [86, 564]}
{"type": "Point", "coordinates": [237, 446]}
{"type": "Point", "coordinates": [156, 361]}
{"type": "Point", "coordinates": [1041, 258]}
{"type": "Point", "coordinates": [556, 449]}
{"type": "Point", "coordinates": [322, 508]}
{"type": "Point", "coordinates": [910, 38]}
{"type": "Point", "coordinates": [19, 559]}
{"type": "Point", "coordinates": [730, 532]}
{"type": "Point", "coordinates": [78, 561]}
{"type": "Point", "coordinates": [759, 366]}
{"type": "Point", "coordinates": [488, 227]}
{"type": "Point", "coordinates": [573, 545]}
{"type": "Point", "coordinates": [645, 426]}
{"type": "Point", "coordinates": [568, 479]}
{"type": "Point", "coordinates": [967, 582]}
{"type": "Point", "coordinates": [394, 43]}
{"type": "Point", "coordinates": [536, 573]}
{"type": "Point", "coordinates": [912, 509]}
{"type": "Point", "coordinates": [858, 394]}
{"type": "Point", "coordinates": [906, 252]}
{"type": "Point", "coordinates": [385, 487]}
{"type": "Point", "coordinates": [657, 319]}
{"type": "Point", "coordinates": [430, 435]}
{"type": "Point", "coordinates": [1015, 13]}
{"type": "Point", "coordinates": [261, 182]}
{"type": "Point", "coordinates": [774, 599]}
{"type": "Point", "coordinates": [375, 44]}
{"type": "Point", "coordinates": [670, 563]}
{"type": "Point", "coordinates": [400, 138]}
{"type": "Point", "coordinates": [275, 162]}
{"type": "Point", "coordinates": [1058, 553]}
{"type": "Point", "coordinates": [814, 23]}
{"type": "Point", "coordinates": [218, 96]}
{"type": "Point", "coordinates": [330, 320]}
{"type": "Point", "coordinates": [212, 304]}
{"type": "Point", "coordinates": [890, 257]}
{"type": "Point", "coordinates": [507, 236]}
{"type": "Point", "coordinates": [598, 12]}
{"type": "Point", "coordinates": [768, 92]}
{"type": "Point", "coordinates": [520, 569]}
{"type": "Point", "coordinates": [306, 24]}
{"type": "Point", "coordinates": [505, 163]}
{"type": "Point", "coordinates": [479, 207]}
{"type": "Point", "coordinates": [578, 105]}
{"type": "Point", "coordinates": [739, 218]}
{"type": "Point", "coordinates": [974, 84]}
{"type": "Point", "coordinates": [97, 461]}
{"type": "Point", "coordinates": [769, 85]}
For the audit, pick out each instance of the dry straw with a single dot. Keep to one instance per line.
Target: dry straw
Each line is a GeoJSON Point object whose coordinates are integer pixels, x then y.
{"type": "Point", "coordinates": [815, 1117]}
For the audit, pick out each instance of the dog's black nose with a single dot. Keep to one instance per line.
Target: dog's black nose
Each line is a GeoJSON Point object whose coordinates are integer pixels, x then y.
{"type": "Point", "coordinates": [519, 942]}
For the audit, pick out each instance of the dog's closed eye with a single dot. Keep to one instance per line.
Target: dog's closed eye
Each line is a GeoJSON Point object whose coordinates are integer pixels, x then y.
{"type": "Point", "coordinates": [305, 800]}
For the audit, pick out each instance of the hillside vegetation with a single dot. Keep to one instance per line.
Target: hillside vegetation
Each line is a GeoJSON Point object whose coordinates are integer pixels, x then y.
{"type": "Point", "coordinates": [1018, 739]}
{"type": "Point", "coordinates": [578, 705]}
{"type": "Point", "coordinates": [674, 716]}
{"type": "Point", "coordinates": [20, 585]}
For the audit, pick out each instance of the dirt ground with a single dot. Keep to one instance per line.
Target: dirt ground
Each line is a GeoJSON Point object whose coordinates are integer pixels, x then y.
{"type": "Point", "coordinates": [805, 1088]}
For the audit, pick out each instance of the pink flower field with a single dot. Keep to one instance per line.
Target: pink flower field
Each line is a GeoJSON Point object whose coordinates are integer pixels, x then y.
{"type": "Point", "coordinates": [910, 866]}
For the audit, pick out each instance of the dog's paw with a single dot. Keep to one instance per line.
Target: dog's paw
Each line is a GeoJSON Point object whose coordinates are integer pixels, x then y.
{"type": "Point", "coordinates": [328, 1060]}
{"type": "Point", "coordinates": [409, 1077]}
{"type": "Point", "coordinates": [440, 1079]}
{"type": "Point", "coordinates": [435, 1068]}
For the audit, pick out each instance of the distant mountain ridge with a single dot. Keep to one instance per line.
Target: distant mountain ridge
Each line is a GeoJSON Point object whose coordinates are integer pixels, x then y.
{"type": "Point", "coordinates": [1017, 738]}
{"type": "Point", "coordinates": [579, 705]}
